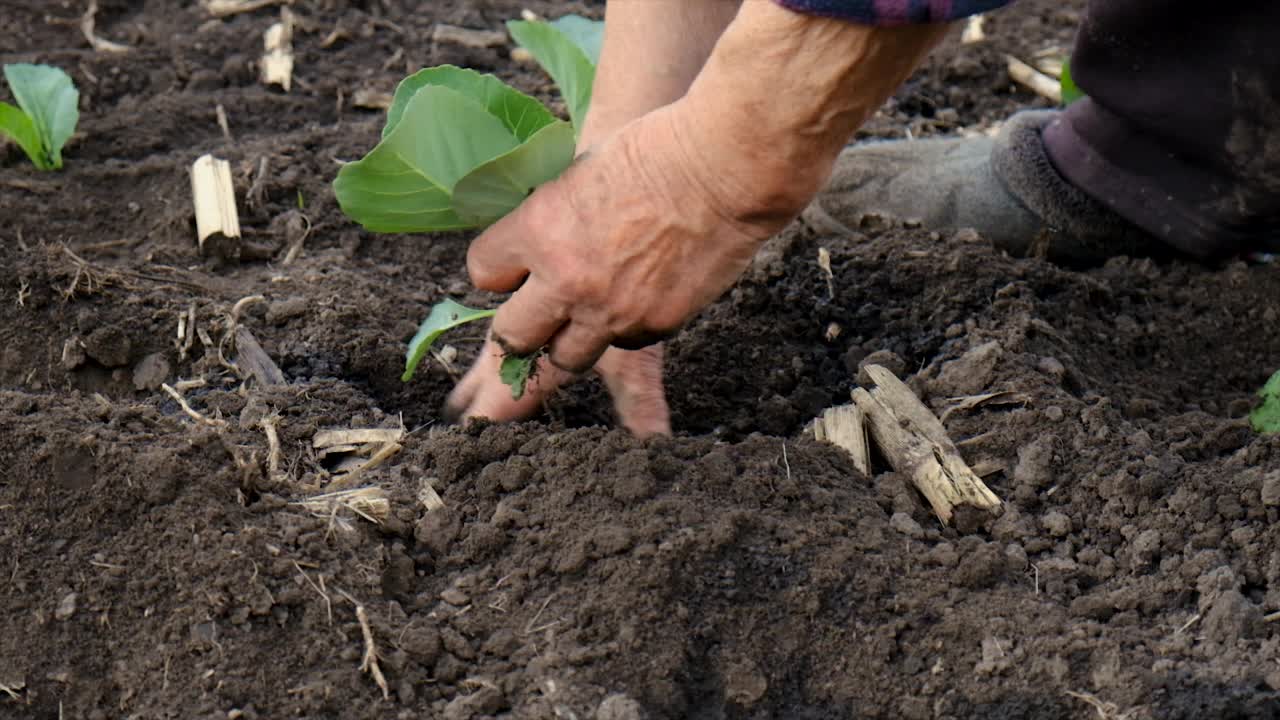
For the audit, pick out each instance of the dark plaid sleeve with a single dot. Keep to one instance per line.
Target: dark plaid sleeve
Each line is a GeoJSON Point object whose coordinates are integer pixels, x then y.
{"type": "Point", "coordinates": [893, 12]}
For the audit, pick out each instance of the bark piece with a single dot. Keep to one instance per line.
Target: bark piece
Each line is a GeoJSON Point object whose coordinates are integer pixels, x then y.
{"type": "Point", "coordinates": [255, 361]}
{"type": "Point", "coordinates": [916, 444]}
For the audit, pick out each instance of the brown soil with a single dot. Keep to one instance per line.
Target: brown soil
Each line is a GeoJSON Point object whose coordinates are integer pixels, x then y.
{"type": "Point", "coordinates": [154, 567]}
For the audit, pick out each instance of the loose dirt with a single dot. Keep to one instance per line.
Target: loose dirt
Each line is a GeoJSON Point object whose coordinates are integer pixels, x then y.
{"type": "Point", "coordinates": [155, 566]}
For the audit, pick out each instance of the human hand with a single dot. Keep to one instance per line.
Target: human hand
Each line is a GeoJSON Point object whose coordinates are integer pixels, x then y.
{"type": "Point", "coordinates": [633, 234]}
{"type": "Point", "coordinates": [659, 220]}
{"type": "Point", "coordinates": [627, 245]}
{"type": "Point", "coordinates": [672, 41]}
{"type": "Point", "coordinates": [632, 377]}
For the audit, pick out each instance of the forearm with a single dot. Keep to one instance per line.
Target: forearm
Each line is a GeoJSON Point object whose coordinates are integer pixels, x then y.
{"type": "Point", "coordinates": [780, 96]}
{"type": "Point", "coordinates": [653, 50]}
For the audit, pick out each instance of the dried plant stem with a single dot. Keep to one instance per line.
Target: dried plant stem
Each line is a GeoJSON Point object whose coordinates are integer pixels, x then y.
{"type": "Point", "coordinates": [195, 414]}
{"type": "Point", "coordinates": [370, 662]}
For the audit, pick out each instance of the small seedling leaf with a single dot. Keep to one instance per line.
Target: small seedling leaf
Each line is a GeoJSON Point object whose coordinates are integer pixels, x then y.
{"type": "Point", "coordinates": [1070, 91]}
{"type": "Point", "coordinates": [515, 372]}
{"type": "Point", "coordinates": [49, 97]}
{"type": "Point", "coordinates": [586, 34]}
{"type": "Point", "coordinates": [50, 103]}
{"type": "Point", "coordinates": [405, 184]}
{"type": "Point", "coordinates": [566, 63]}
{"type": "Point", "coordinates": [444, 316]}
{"type": "Point", "coordinates": [1266, 417]}
{"type": "Point", "coordinates": [16, 125]}
{"type": "Point", "coordinates": [522, 115]}
{"type": "Point", "coordinates": [495, 188]}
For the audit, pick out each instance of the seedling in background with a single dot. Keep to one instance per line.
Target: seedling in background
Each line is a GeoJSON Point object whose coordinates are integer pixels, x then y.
{"type": "Point", "coordinates": [460, 150]}
{"type": "Point", "coordinates": [47, 112]}
{"type": "Point", "coordinates": [1070, 91]}
{"type": "Point", "coordinates": [1266, 417]}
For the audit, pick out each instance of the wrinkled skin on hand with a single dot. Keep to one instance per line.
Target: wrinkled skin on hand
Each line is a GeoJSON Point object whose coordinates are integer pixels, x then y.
{"type": "Point", "coordinates": [623, 248]}
{"type": "Point", "coordinates": [633, 378]}
{"type": "Point", "coordinates": [637, 35]}
{"type": "Point", "coordinates": [670, 204]}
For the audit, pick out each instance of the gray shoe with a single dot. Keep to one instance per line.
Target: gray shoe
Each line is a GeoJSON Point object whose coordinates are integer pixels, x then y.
{"type": "Point", "coordinates": [1003, 187]}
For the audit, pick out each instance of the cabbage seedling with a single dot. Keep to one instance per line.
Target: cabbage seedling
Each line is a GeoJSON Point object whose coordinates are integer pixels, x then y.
{"type": "Point", "coordinates": [460, 150]}
{"type": "Point", "coordinates": [1266, 417]}
{"type": "Point", "coordinates": [46, 115]}
{"type": "Point", "coordinates": [1070, 91]}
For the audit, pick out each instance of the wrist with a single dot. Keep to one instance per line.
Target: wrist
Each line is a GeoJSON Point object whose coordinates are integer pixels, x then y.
{"type": "Point", "coordinates": [779, 98]}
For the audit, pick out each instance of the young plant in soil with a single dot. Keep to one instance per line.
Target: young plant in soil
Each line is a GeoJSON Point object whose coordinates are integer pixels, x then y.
{"type": "Point", "coordinates": [460, 150]}
{"type": "Point", "coordinates": [1070, 91]}
{"type": "Point", "coordinates": [47, 112]}
{"type": "Point", "coordinates": [1266, 417]}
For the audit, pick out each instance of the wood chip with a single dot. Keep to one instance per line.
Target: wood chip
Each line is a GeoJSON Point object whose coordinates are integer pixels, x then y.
{"type": "Point", "coordinates": [428, 496]}
{"type": "Point", "coordinates": [971, 402]}
{"type": "Point", "coordinates": [845, 427]}
{"type": "Point", "coordinates": [351, 478]}
{"type": "Point", "coordinates": [973, 32]}
{"type": "Point", "coordinates": [916, 444]}
{"type": "Point", "coordinates": [217, 220]}
{"type": "Point", "coordinates": [371, 99]}
{"type": "Point", "coordinates": [330, 438]}
{"type": "Point", "coordinates": [277, 59]}
{"type": "Point", "coordinates": [254, 361]}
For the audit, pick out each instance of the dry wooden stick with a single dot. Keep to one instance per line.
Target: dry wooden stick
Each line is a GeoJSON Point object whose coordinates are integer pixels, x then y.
{"type": "Point", "coordinates": [1033, 79]}
{"type": "Point", "coordinates": [916, 444]}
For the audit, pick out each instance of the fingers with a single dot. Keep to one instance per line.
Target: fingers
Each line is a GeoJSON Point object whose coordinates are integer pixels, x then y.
{"type": "Point", "coordinates": [577, 347]}
{"type": "Point", "coordinates": [481, 393]}
{"type": "Point", "coordinates": [640, 340]}
{"type": "Point", "coordinates": [634, 379]}
{"type": "Point", "coordinates": [529, 319]}
{"type": "Point", "coordinates": [494, 260]}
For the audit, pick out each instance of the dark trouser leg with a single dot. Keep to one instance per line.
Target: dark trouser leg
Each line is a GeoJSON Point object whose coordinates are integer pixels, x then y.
{"type": "Point", "coordinates": [1180, 134]}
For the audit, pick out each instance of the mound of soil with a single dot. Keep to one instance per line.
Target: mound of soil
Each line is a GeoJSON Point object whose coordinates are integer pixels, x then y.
{"type": "Point", "coordinates": [160, 566]}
